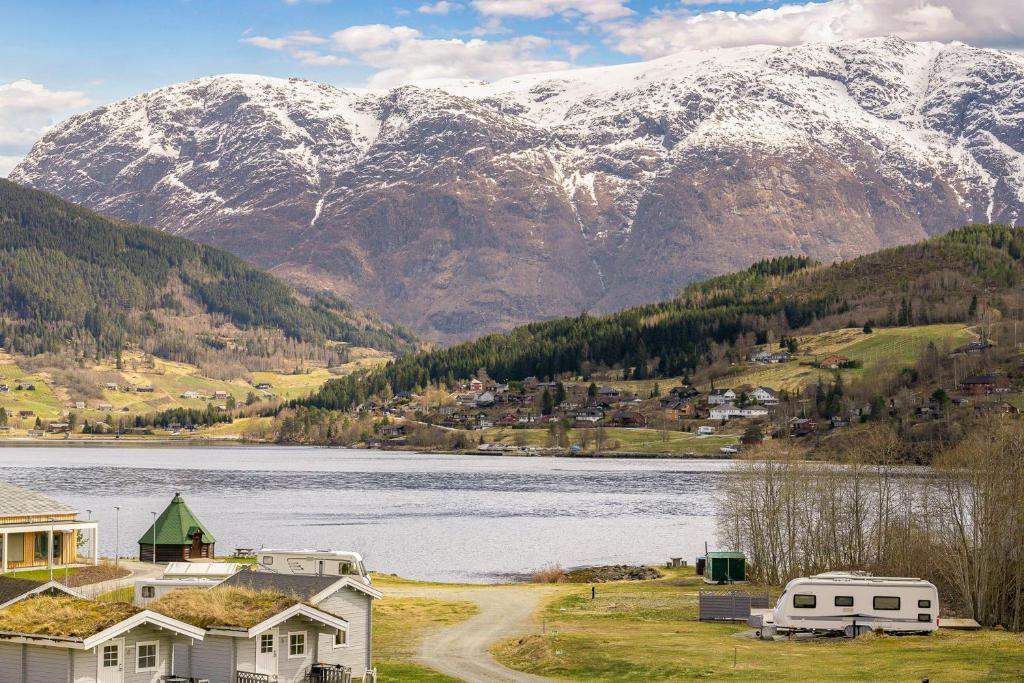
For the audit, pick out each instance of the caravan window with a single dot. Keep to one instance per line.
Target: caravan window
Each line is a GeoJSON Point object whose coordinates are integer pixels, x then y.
{"type": "Point", "coordinates": [148, 592]}
{"type": "Point", "coordinates": [844, 601]}
{"type": "Point", "coordinates": [805, 601]}
{"type": "Point", "coordinates": [925, 618]}
{"type": "Point", "coordinates": [924, 603]}
{"type": "Point", "coordinates": [886, 602]}
{"type": "Point", "coordinates": [268, 559]}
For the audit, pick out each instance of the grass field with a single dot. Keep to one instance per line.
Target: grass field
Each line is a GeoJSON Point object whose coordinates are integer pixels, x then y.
{"type": "Point", "coordinates": [619, 440]}
{"type": "Point", "coordinates": [399, 626]}
{"type": "Point", "coordinates": [648, 631]}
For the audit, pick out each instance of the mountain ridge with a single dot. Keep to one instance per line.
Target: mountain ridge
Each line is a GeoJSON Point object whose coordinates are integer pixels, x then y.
{"type": "Point", "coordinates": [475, 207]}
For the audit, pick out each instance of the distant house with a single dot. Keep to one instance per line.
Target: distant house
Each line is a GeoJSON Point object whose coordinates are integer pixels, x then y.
{"type": "Point", "coordinates": [801, 426]}
{"type": "Point", "coordinates": [628, 418]}
{"type": "Point", "coordinates": [190, 394]}
{"type": "Point", "coordinates": [973, 347]}
{"type": "Point", "coordinates": [58, 428]}
{"type": "Point", "coordinates": [25, 386]}
{"type": "Point", "coordinates": [833, 362]}
{"type": "Point", "coordinates": [727, 411]}
{"type": "Point", "coordinates": [220, 394]}
{"type": "Point", "coordinates": [476, 385]}
{"type": "Point", "coordinates": [104, 406]}
{"type": "Point", "coordinates": [720, 396]}
{"type": "Point", "coordinates": [144, 389]}
{"type": "Point", "coordinates": [391, 430]}
{"type": "Point", "coordinates": [79, 405]}
{"type": "Point", "coordinates": [980, 385]}
{"type": "Point", "coordinates": [765, 396]}
{"type": "Point", "coordinates": [4, 388]}
{"type": "Point", "coordinates": [176, 535]}
{"type": "Point", "coordinates": [25, 414]}
{"type": "Point", "coordinates": [485, 400]}
{"type": "Point", "coordinates": [264, 385]}
{"type": "Point", "coordinates": [112, 386]}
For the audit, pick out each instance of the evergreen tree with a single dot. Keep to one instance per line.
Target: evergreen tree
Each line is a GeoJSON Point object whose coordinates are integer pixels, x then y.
{"type": "Point", "coordinates": [547, 403]}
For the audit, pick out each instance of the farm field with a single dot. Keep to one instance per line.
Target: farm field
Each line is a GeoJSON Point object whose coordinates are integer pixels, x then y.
{"type": "Point", "coordinates": [618, 439]}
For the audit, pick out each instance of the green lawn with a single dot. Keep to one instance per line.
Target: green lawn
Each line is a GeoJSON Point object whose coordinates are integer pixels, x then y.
{"type": "Point", "coordinates": [399, 624]}
{"type": "Point", "coordinates": [648, 631]}
{"type": "Point", "coordinates": [43, 574]}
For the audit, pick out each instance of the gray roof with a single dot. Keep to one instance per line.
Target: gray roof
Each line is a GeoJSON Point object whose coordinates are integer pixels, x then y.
{"type": "Point", "coordinates": [11, 588]}
{"type": "Point", "coordinates": [16, 502]}
{"type": "Point", "coordinates": [301, 586]}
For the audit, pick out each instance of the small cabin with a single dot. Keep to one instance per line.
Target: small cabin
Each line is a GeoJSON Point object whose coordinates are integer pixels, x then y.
{"type": "Point", "coordinates": [176, 536]}
{"type": "Point", "coordinates": [725, 567]}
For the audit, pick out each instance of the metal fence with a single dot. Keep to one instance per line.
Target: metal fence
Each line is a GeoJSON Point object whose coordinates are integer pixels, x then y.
{"type": "Point", "coordinates": [732, 605]}
{"type": "Point", "coordinates": [247, 677]}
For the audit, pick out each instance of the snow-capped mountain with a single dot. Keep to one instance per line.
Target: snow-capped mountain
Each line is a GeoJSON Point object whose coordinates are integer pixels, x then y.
{"type": "Point", "coordinates": [461, 208]}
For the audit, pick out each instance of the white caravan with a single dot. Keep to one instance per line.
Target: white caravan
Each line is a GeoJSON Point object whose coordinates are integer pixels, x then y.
{"type": "Point", "coordinates": [854, 603]}
{"type": "Point", "coordinates": [312, 562]}
{"type": "Point", "coordinates": [148, 590]}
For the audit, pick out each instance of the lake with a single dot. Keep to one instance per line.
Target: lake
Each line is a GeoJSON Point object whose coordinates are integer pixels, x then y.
{"type": "Point", "coordinates": [431, 517]}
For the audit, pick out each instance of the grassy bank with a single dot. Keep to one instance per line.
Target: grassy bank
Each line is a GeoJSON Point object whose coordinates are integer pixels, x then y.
{"type": "Point", "coordinates": [648, 631]}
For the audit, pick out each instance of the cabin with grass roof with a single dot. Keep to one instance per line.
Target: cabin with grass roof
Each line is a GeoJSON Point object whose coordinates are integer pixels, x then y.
{"type": "Point", "coordinates": [176, 536]}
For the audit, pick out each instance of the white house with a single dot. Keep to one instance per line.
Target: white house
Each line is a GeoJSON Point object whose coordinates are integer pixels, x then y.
{"type": "Point", "coordinates": [727, 411]}
{"type": "Point", "coordinates": [765, 396]}
{"type": "Point", "coordinates": [720, 396]}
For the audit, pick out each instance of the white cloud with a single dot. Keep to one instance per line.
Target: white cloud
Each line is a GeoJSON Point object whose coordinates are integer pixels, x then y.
{"type": "Point", "coordinates": [402, 55]}
{"type": "Point", "coordinates": [7, 163]}
{"type": "Point", "coordinates": [312, 58]}
{"type": "Point", "coordinates": [988, 22]}
{"type": "Point", "coordinates": [597, 10]}
{"type": "Point", "coordinates": [441, 7]}
{"type": "Point", "coordinates": [296, 39]}
{"type": "Point", "coordinates": [28, 109]}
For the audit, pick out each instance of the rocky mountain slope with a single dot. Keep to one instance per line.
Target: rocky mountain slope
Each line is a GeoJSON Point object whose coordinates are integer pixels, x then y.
{"type": "Point", "coordinates": [463, 207]}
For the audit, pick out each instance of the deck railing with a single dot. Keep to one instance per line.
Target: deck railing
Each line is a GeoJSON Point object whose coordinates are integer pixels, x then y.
{"type": "Point", "coordinates": [249, 677]}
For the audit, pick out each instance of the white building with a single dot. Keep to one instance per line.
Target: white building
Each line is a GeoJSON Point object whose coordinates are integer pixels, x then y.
{"type": "Point", "coordinates": [765, 396]}
{"type": "Point", "coordinates": [727, 411]}
{"type": "Point", "coordinates": [720, 396]}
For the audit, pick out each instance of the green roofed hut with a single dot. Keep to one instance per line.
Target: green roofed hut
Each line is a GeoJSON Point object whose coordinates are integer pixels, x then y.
{"type": "Point", "coordinates": [177, 535]}
{"type": "Point", "coordinates": [725, 567]}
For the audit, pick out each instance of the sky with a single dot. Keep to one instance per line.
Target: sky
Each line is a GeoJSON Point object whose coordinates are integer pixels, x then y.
{"type": "Point", "coordinates": [60, 57]}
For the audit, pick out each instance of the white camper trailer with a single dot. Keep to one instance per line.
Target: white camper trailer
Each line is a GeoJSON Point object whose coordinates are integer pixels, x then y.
{"type": "Point", "coordinates": [854, 603]}
{"type": "Point", "coordinates": [312, 562]}
{"type": "Point", "coordinates": [148, 590]}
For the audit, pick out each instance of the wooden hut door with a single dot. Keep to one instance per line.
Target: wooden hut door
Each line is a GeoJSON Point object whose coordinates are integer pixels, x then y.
{"type": "Point", "coordinates": [197, 543]}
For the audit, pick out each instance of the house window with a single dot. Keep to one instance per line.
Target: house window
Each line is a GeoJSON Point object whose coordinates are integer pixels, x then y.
{"type": "Point", "coordinates": [297, 644]}
{"type": "Point", "coordinates": [805, 601]}
{"type": "Point", "coordinates": [886, 602]}
{"type": "Point", "coordinates": [148, 592]}
{"type": "Point", "coordinates": [340, 638]}
{"type": "Point", "coordinates": [844, 601]}
{"type": "Point", "coordinates": [111, 656]}
{"type": "Point", "coordinates": [266, 643]}
{"type": "Point", "coordinates": [924, 603]}
{"type": "Point", "coordinates": [146, 656]}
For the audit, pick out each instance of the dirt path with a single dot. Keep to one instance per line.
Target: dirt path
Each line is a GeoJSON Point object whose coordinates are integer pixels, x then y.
{"type": "Point", "coordinates": [462, 650]}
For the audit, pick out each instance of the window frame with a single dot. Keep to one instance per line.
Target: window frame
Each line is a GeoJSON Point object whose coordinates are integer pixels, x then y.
{"type": "Point", "coordinates": [299, 655]}
{"type": "Point", "coordinates": [875, 599]}
{"type": "Point", "coordinates": [924, 604]}
{"type": "Point", "coordinates": [844, 597]}
{"type": "Point", "coordinates": [814, 600]}
{"type": "Point", "coordinates": [156, 656]}
{"type": "Point", "coordinates": [108, 648]}
{"type": "Point", "coordinates": [267, 638]}
{"type": "Point", "coordinates": [344, 634]}
{"type": "Point", "coordinates": [267, 560]}
{"type": "Point", "coordinates": [927, 618]}
{"type": "Point", "coordinates": [148, 591]}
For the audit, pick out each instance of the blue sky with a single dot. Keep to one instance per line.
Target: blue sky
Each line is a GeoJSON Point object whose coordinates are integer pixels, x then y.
{"type": "Point", "coordinates": [58, 57]}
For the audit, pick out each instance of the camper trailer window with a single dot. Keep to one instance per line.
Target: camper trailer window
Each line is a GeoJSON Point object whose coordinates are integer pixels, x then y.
{"type": "Point", "coordinates": [924, 603]}
{"type": "Point", "coordinates": [924, 618]}
{"type": "Point", "coordinates": [886, 602]}
{"type": "Point", "coordinates": [148, 591]}
{"type": "Point", "coordinates": [844, 601]}
{"type": "Point", "coordinates": [805, 601]}
{"type": "Point", "coordinates": [268, 559]}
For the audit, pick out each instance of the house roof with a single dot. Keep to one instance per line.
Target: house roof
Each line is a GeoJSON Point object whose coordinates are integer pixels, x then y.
{"type": "Point", "coordinates": [176, 525]}
{"type": "Point", "coordinates": [17, 502]}
{"type": "Point", "coordinates": [14, 590]}
{"type": "Point", "coordinates": [980, 379]}
{"type": "Point", "coordinates": [223, 606]}
{"type": "Point", "coordinates": [310, 589]}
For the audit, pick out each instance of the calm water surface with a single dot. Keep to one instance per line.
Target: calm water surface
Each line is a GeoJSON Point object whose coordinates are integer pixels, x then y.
{"type": "Point", "coordinates": [433, 517]}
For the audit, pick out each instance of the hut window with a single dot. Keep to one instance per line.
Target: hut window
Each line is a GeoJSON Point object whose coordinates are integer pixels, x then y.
{"type": "Point", "coordinates": [297, 644]}
{"type": "Point", "coordinates": [146, 656]}
{"type": "Point", "coordinates": [886, 602]}
{"type": "Point", "coordinates": [111, 656]}
{"type": "Point", "coordinates": [340, 638]}
{"type": "Point", "coordinates": [266, 643]}
{"type": "Point", "coordinates": [844, 601]}
{"type": "Point", "coordinates": [805, 601]}
{"type": "Point", "coordinates": [924, 603]}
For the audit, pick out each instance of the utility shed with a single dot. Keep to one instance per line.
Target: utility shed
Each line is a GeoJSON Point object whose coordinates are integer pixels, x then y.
{"type": "Point", "coordinates": [177, 535]}
{"type": "Point", "coordinates": [725, 567]}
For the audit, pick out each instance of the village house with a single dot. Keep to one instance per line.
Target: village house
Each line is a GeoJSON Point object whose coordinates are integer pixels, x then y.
{"type": "Point", "coordinates": [628, 418]}
{"type": "Point", "coordinates": [37, 531]}
{"type": "Point", "coordinates": [112, 386]}
{"type": "Point", "coordinates": [475, 385]}
{"type": "Point", "coordinates": [25, 414]}
{"type": "Point", "coordinates": [765, 396]}
{"type": "Point", "coordinates": [802, 426]}
{"type": "Point", "coordinates": [485, 400]}
{"type": "Point", "coordinates": [25, 386]}
{"type": "Point", "coordinates": [190, 394]}
{"type": "Point", "coordinates": [981, 385]}
{"type": "Point", "coordinates": [94, 642]}
{"type": "Point", "coordinates": [144, 389]}
{"type": "Point", "coordinates": [177, 534]}
{"type": "Point", "coordinates": [58, 428]}
{"type": "Point", "coordinates": [727, 411]}
{"type": "Point", "coordinates": [833, 362]}
{"type": "Point", "coordinates": [263, 386]}
{"type": "Point", "coordinates": [720, 396]}
{"type": "Point", "coordinates": [392, 430]}
{"type": "Point", "coordinates": [104, 406]}
{"type": "Point", "coordinates": [220, 395]}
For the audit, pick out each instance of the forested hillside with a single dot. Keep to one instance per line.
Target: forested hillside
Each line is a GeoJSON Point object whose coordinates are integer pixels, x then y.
{"type": "Point", "coordinates": [72, 278]}
{"type": "Point", "coordinates": [944, 279]}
